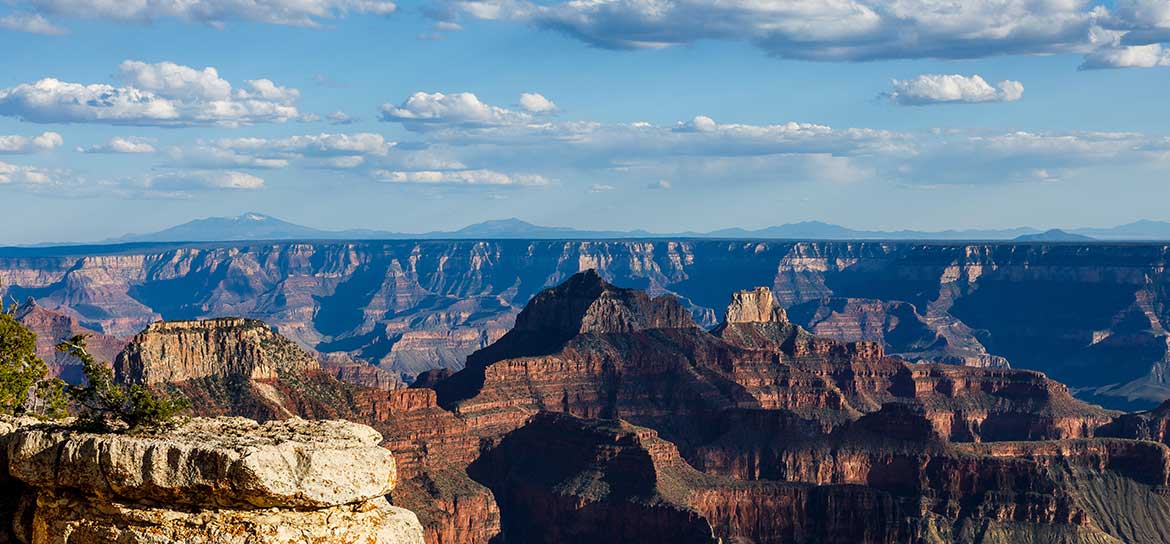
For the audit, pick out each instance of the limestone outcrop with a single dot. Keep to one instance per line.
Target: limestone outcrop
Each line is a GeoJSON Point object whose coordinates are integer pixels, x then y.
{"type": "Point", "coordinates": [222, 480]}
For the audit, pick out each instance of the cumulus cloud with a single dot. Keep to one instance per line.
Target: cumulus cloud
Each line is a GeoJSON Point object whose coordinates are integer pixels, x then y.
{"type": "Point", "coordinates": [600, 188]}
{"type": "Point", "coordinates": [536, 103]}
{"type": "Point", "coordinates": [46, 141]}
{"type": "Point", "coordinates": [660, 185]}
{"type": "Point", "coordinates": [309, 13]}
{"type": "Point", "coordinates": [120, 144]}
{"type": "Point", "coordinates": [461, 177]}
{"type": "Point", "coordinates": [32, 23]}
{"type": "Point", "coordinates": [160, 94]}
{"type": "Point", "coordinates": [953, 89]}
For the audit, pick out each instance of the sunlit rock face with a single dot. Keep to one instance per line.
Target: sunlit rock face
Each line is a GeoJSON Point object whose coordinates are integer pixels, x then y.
{"type": "Point", "coordinates": [208, 480]}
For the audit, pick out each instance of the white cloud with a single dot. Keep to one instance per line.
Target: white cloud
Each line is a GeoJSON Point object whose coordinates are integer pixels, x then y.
{"type": "Point", "coordinates": [162, 94]}
{"type": "Point", "coordinates": [309, 13]}
{"type": "Point", "coordinates": [660, 185]}
{"type": "Point", "coordinates": [460, 177]}
{"type": "Point", "coordinates": [600, 188]}
{"type": "Point", "coordinates": [198, 181]}
{"type": "Point", "coordinates": [536, 103]}
{"type": "Point", "coordinates": [942, 89]}
{"type": "Point", "coordinates": [12, 174]}
{"type": "Point", "coordinates": [32, 23]}
{"type": "Point", "coordinates": [340, 118]}
{"type": "Point", "coordinates": [207, 156]}
{"type": "Point", "coordinates": [121, 145]}
{"type": "Point", "coordinates": [339, 151]}
{"type": "Point", "coordinates": [1133, 56]}
{"type": "Point", "coordinates": [46, 141]}
{"type": "Point", "coordinates": [175, 80]}
{"type": "Point", "coordinates": [319, 145]}
{"type": "Point", "coordinates": [345, 163]}
{"type": "Point", "coordinates": [425, 111]}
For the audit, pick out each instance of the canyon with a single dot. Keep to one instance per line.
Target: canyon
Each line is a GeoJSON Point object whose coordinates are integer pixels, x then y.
{"type": "Point", "coordinates": [1091, 315]}
{"type": "Point", "coordinates": [605, 413]}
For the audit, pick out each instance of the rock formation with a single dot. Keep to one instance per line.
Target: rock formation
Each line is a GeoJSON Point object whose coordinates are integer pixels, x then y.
{"type": "Point", "coordinates": [1092, 316]}
{"type": "Point", "coordinates": [761, 431]}
{"type": "Point", "coordinates": [610, 414]}
{"type": "Point", "coordinates": [209, 481]}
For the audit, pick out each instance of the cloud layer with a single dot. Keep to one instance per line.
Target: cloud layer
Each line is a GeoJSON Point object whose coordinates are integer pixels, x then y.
{"type": "Point", "coordinates": [308, 13]}
{"type": "Point", "coordinates": [850, 30]}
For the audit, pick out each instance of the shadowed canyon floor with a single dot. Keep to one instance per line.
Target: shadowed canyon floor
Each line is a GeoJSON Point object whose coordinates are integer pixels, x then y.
{"type": "Point", "coordinates": [607, 415]}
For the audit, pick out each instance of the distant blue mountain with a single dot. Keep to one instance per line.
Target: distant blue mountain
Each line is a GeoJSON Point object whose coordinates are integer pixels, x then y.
{"type": "Point", "coordinates": [1054, 235]}
{"type": "Point", "coordinates": [258, 226]}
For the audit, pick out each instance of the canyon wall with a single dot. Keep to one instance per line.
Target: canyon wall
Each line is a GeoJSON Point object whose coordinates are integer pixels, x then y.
{"type": "Point", "coordinates": [1088, 315]}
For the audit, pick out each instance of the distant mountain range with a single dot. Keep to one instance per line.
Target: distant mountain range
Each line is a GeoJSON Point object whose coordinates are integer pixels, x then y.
{"type": "Point", "coordinates": [258, 226]}
{"type": "Point", "coordinates": [1054, 235]}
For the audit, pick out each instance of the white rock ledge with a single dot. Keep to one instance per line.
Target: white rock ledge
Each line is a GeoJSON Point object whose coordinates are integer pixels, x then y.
{"type": "Point", "coordinates": [212, 463]}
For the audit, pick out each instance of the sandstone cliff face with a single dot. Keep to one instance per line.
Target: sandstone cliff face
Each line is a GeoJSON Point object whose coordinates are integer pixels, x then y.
{"type": "Point", "coordinates": [1070, 311]}
{"type": "Point", "coordinates": [209, 480]}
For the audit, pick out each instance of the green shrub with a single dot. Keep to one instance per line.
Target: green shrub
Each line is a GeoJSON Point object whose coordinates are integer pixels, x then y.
{"type": "Point", "coordinates": [24, 389]}
{"type": "Point", "coordinates": [108, 406]}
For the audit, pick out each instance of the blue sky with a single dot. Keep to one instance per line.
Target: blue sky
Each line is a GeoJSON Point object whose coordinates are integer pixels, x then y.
{"type": "Point", "coordinates": [654, 114]}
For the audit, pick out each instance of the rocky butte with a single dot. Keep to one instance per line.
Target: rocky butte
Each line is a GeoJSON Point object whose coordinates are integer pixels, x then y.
{"type": "Point", "coordinates": [1091, 315]}
{"type": "Point", "coordinates": [606, 414]}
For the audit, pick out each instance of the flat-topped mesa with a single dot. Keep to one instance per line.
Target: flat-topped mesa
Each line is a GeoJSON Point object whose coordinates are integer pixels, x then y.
{"type": "Point", "coordinates": [755, 306]}
{"type": "Point", "coordinates": [277, 482]}
{"type": "Point", "coordinates": [176, 351]}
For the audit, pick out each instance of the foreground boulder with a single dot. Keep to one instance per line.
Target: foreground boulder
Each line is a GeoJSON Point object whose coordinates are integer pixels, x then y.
{"type": "Point", "coordinates": [224, 480]}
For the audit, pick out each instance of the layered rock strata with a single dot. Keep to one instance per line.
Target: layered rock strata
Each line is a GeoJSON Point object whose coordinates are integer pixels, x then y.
{"type": "Point", "coordinates": [1089, 315]}
{"type": "Point", "coordinates": [610, 414]}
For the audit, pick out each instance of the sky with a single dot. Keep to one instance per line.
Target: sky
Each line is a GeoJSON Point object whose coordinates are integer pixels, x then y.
{"type": "Point", "coordinates": [130, 116]}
